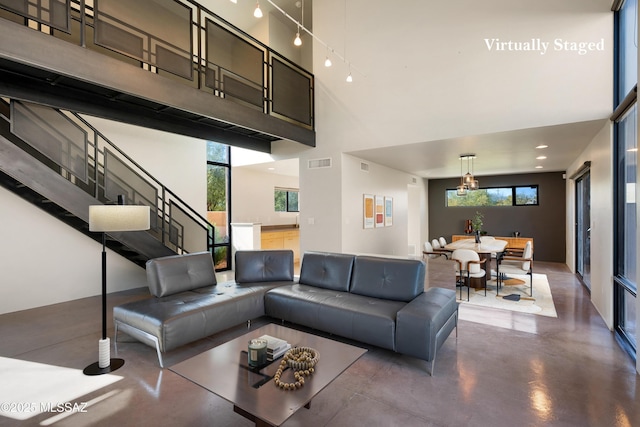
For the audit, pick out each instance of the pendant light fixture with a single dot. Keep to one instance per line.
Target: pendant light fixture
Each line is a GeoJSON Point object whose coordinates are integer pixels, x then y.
{"type": "Point", "coordinates": [461, 190]}
{"type": "Point", "coordinates": [467, 181]}
{"type": "Point", "coordinates": [473, 184]}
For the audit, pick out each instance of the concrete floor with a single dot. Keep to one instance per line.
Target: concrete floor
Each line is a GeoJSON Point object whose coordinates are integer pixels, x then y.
{"type": "Point", "coordinates": [505, 369]}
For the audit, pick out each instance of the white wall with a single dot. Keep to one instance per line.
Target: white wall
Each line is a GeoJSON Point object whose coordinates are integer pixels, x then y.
{"type": "Point", "coordinates": [600, 153]}
{"type": "Point", "coordinates": [44, 261]}
{"type": "Point", "coordinates": [378, 181]}
{"type": "Point", "coordinates": [252, 193]}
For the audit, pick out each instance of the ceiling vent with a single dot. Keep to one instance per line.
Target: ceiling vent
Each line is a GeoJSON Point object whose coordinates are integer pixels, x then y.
{"type": "Point", "coordinates": [364, 167]}
{"type": "Point", "coordinates": [319, 163]}
{"type": "Point", "coordinates": [414, 180]}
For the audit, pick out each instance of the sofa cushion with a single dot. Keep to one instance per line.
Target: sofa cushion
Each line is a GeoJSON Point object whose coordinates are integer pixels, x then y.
{"type": "Point", "coordinates": [366, 319]}
{"type": "Point", "coordinates": [178, 273]}
{"type": "Point", "coordinates": [264, 266]}
{"type": "Point", "coordinates": [189, 316]}
{"type": "Point", "coordinates": [327, 270]}
{"type": "Point", "coordinates": [388, 278]}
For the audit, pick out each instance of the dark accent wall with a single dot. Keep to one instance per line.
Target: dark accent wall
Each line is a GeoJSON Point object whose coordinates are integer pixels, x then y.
{"type": "Point", "coordinates": [545, 222]}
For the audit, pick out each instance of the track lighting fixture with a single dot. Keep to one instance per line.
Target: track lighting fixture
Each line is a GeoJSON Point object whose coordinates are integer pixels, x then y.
{"type": "Point", "coordinates": [257, 12]}
{"type": "Point", "coordinates": [298, 40]}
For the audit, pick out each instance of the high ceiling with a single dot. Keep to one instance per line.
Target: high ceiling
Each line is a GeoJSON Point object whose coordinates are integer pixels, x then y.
{"type": "Point", "coordinates": [510, 152]}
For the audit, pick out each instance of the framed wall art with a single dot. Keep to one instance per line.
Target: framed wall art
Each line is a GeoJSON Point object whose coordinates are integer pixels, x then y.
{"type": "Point", "coordinates": [368, 211]}
{"type": "Point", "coordinates": [379, 211]}
{"type": "Point", "coordinates": [388, 211]}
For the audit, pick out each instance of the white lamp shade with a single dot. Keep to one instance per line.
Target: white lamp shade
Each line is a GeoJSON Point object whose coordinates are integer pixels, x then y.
{"type": "Point", "coordinates": [118, 218]}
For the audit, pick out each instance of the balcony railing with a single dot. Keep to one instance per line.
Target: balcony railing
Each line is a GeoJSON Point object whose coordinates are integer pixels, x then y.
{"type": "Point", "coordinates": [181, 40]}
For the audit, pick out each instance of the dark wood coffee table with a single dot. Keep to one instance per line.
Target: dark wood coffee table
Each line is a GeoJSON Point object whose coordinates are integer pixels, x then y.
{"type": "Point", "coordinates": [224, 370]}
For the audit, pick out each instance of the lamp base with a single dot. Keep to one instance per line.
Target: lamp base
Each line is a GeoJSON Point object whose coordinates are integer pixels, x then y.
{"type": "Point", "coordinates": [95, 369]}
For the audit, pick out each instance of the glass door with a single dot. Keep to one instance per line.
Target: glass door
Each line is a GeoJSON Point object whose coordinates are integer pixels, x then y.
{"type": "Point", "coordinates": [583, 228]}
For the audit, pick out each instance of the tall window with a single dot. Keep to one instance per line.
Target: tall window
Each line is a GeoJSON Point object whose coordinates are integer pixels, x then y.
{"type": "Point", "coordinates": [218, 205]}
{"type": "Point", "coordinates": [626, 136]}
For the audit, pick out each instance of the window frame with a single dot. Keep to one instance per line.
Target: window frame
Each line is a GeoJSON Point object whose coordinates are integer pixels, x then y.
{"type": "Point", "coordinates": [287, 192]}
{"type": "Point", "coordinates": [513, 196]}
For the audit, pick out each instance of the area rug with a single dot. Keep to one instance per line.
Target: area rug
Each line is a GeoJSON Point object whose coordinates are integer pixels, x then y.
{"type": "Point", "coordinates": [517, 296]}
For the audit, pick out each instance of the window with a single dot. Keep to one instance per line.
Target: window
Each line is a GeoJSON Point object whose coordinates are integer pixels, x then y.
{"type": "Point", "coordinates": [286, 200]}
{"type": "Point", "coordinates": [218, 188]}
{"type": "Point", "coordinates": [496, 196]}
{"type": "Point", "coordinates": [625, 167]}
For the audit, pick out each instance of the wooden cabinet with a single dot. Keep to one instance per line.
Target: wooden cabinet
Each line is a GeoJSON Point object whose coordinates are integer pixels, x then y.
{"type": "Point", "coordinates": [282, 239]}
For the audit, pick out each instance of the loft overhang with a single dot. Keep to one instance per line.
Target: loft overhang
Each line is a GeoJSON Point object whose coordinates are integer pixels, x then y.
{"type": "Point", "coordinates": [40, 68]}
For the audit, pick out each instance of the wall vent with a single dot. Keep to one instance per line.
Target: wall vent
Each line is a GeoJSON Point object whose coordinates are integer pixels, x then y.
{"type": "Point", "coordinates": [319, 163]}
{"type": "Point", "coordinates": [414, 180]}
{"type": "Point", "coordinates": [364, 167]}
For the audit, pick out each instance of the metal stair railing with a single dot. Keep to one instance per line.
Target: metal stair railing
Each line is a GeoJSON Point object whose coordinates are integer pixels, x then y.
{"type": "Point", "coordinates": [82, 155]}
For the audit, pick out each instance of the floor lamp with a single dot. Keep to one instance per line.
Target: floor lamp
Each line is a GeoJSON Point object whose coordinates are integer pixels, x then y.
{"type": "Point", "coordinates": [106, 218]}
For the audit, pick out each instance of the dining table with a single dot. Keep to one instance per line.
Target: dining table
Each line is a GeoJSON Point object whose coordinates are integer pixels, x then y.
{"type": "Point", "coordinates": [485, 249]}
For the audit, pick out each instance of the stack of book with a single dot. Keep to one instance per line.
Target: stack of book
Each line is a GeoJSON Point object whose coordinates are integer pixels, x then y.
{"type": "Point", "coordinates": [275, 347]}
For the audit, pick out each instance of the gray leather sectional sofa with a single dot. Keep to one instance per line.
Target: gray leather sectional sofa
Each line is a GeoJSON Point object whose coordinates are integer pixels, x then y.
{"type": "Point", "coordinates": [374, 300]}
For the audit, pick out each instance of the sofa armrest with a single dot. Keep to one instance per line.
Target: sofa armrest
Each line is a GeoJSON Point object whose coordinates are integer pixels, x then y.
{"type": "Point", "coordinates": [425, 323]}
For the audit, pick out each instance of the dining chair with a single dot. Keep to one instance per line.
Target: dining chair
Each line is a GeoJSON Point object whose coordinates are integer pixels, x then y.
{"type": "Point", "coordinates": [428, 252]}
{"type": "Point", "coordinates": [487, 239]}
{"type": "Point", "coordinates": [442, 241]}
{"type": "Point", "coordinates": [517, 265]}
{"type": "Point", "coordinates": [468, 265]}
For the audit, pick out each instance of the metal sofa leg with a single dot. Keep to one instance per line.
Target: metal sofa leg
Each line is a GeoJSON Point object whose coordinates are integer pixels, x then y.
{"type": "Point", "coordinates": [143, 336]}
{"type": "Point", "coordinates": [433, 362]}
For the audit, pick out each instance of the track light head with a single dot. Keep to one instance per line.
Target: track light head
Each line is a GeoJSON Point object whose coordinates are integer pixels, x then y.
{"type": "Point", "coordinates": [257, 12]}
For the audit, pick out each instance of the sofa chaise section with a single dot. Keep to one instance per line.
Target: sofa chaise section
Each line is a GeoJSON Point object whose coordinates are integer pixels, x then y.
{"type": "Point", "coordinates": [188, 304]}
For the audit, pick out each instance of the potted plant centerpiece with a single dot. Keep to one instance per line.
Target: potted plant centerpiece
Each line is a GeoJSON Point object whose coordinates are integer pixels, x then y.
{"type": "Point", "coordinates": [476, 222]}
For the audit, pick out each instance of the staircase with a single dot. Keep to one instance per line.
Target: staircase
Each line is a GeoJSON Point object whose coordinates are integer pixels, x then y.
{"type": "Point", "coordinates": [58, 162]}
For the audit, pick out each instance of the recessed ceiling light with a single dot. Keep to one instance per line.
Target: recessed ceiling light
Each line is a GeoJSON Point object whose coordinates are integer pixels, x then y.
{"type": "Point", "coordinates": [541, 157]}
{"type": "Point", "coordinates": [542, 146]}
{"type": "Point", "coordinates": [539, 167]}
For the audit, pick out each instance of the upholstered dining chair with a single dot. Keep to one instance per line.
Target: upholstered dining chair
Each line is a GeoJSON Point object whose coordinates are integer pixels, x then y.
{"type": "Point", "coordinates": [442, 241]}
{"type": "Point", "coordinates": [468, 265]}
{"type": "Point", "coordinates": [437, 247]}
{"type": "Point", "coordinates": [487, 239]}
{"type": "Point", "coordinates": [517, 265]}
{"type": "Point", "coordinates": [428, 252]}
